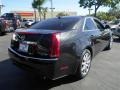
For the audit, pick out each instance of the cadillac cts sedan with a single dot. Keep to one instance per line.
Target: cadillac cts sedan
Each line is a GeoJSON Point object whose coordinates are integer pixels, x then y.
{"type": "Point", "coordinates": [60, 46]}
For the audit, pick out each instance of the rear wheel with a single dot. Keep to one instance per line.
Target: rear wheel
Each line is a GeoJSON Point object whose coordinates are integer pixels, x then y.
{"type": "Point", "coordinates": [0, 33]}
{"type": "Point", "coordinates": [0, 30]}
{"type": "Point", "coordinates": [85, 64]}
{"type": "Point", "coordinates": [119, 38]}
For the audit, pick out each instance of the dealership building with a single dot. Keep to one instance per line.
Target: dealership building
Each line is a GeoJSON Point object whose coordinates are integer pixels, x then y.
{"type": "Point", "coordinates": [31, 14]}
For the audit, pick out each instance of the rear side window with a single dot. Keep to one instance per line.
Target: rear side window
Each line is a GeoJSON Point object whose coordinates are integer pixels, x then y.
{"type": "Point", "coordinates": [89, 25]}
{"type": "Point", "coordinates": [99, 25]}
{"type": "Point", "coordinates": [56, 24]}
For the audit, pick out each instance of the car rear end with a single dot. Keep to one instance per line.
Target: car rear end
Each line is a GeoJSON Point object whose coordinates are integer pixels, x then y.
{"type": "Point", "coordinates": [39, 49]}
{"type": "Point", "coordinates": [37, 52]}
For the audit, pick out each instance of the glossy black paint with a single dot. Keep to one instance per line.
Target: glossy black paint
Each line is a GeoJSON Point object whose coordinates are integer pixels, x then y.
{"type": "Point", "coordinates": [72, 44]}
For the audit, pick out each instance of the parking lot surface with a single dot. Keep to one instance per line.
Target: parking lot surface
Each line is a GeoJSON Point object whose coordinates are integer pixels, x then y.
{"type": "Point", "coordinates": [104, 73]}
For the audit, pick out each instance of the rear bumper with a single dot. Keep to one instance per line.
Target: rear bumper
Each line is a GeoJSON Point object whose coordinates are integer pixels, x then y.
{"type": "Point", "coordinates": [44, 67]}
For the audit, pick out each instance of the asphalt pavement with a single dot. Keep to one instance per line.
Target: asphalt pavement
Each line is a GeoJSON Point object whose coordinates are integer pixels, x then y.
{"type": "Point", "coordinates": [104, 73]}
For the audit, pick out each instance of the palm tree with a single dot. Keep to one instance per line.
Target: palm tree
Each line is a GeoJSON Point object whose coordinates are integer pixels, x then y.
{"type": "Point", "coordinates": [37, 4]}
{"type": "Point", "coordinates": [44, 11]}
{"type": "Point", "coordinates": [34, 7]}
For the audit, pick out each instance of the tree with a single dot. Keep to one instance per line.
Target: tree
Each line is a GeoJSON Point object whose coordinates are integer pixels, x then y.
{"type": "Point", "coordinates": [44, 11]}
{"type": "Point", "coordinates": [62, 14]}
{"type": "Point", "coordinates": [98, 3]}
{"type": "Point", "coordinates": [37, 4]}
{"type": "Point", "coordinates": [105, 16]}
{"type": "Point", "coordinates": [115, 11]}
{"type": "Point", "coordinates": [34, 7]}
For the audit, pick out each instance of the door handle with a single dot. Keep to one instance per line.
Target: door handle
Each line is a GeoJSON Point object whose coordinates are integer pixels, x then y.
{"type": "Point", "coordinates": [92, 36]}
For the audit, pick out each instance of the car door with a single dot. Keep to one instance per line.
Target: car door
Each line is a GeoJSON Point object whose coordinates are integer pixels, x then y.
{"type": "Point", "coordinates": [93, 34]}
{"type": "Point", "coordinates": [105, 35]}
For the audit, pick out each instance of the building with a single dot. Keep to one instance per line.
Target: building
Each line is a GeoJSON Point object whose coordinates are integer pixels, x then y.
{"type": "Point", "coordinates": [31, 15]}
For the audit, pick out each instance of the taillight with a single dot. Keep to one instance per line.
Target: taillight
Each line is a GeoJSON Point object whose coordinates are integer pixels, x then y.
{"type": "Point", "coordinates": [55, 45]}
{"type": "Point", "coordinates": [6, 23]}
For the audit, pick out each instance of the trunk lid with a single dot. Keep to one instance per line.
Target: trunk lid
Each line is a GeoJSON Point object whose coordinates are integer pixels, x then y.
{"type": "Point", "coordinates": [41, 42]}
{"type": "Point", "coordinates": [37, 31]}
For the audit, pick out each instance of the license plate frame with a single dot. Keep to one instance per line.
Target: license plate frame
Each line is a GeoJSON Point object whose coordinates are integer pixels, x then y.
{"type": "Point", "coordinates": [23, 47]}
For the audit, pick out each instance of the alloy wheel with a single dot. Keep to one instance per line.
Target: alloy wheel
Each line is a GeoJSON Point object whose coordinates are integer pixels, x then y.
{"type": "Point", "coordinates": [86, 63]}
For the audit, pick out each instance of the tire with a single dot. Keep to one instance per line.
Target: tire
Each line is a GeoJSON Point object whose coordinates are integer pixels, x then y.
{"type": "Point", "coordinates": [110, 44]}
{"type": "Point", "coordinates": [119, 38]}
{"type": "Point", "coordinates": [3, 33]}
{"type": "Point", "coordinates": [0, 33]}
{"type": "Point", "coordinates": [84, 65]}
{"type": "Point", "coordinates": [0, 30]}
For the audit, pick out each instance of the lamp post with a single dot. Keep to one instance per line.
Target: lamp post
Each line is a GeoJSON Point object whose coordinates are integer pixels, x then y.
{"type": "Point", "coordinates": [35, 12]}
{"type": "Point", "coordinates": [1, 6]}
{"type": "Point", "coordinates": [90, 10]}
{"type": "Point", "coordinates": [51, 1]}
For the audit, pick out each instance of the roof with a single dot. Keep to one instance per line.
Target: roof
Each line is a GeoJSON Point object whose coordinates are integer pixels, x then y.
{"type": "Point", "coordinates": [69, 17]}
{"type": "Point", "coordinates": [76, 17]}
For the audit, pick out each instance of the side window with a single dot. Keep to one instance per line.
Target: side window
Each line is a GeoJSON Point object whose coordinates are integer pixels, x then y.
{"type": "Point", "coordinates": [78, 25]}
{"type": "Point", "coordinates": [89, 25]}
{"type": "Point", "coordinates": [99, 25]}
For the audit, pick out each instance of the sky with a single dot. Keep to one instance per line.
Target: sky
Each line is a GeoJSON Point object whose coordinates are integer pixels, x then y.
{"type": "Point", "coordinates": [59, 5]}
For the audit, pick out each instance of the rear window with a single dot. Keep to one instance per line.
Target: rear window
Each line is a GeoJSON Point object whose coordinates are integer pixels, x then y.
{"type": "Point", "coordinates": [56, 24]}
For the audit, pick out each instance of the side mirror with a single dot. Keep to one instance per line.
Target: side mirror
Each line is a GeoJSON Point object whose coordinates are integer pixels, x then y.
{"type": "Point", "coordinates": [107, 27]}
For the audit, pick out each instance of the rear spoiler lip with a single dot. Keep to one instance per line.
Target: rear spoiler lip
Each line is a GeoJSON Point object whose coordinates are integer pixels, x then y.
{"type": "Point", "coordinates": [37, 31]}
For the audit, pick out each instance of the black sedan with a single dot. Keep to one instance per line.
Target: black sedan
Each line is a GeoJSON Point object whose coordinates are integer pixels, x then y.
{"type": "Point", "coordinates": [61, 46]}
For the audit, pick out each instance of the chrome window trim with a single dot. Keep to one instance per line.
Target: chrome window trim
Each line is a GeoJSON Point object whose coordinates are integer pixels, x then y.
{"type": "Point", "coordinates": [83, 28]}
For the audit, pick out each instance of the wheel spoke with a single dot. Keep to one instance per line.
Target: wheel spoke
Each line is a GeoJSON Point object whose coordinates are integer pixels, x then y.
{"type": "Point", "coordinates": [83, 68]}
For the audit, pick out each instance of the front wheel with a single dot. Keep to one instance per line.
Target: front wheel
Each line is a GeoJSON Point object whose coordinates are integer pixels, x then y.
{"type": "Point", "coordinates": [110, 44]}
{"type": "Point", "coordinates": [85, 64]}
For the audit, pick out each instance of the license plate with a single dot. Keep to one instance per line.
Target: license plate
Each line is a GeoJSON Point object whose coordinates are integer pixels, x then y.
{"type": "Point", "coordinates": [23, 47]}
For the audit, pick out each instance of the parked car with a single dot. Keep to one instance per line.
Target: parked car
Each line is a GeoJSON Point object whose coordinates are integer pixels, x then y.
{"type": "Point", "coordinates": [27, 23]}
{"type": "Point", "coordinates": [105, 23]}
{"type": "Point", "coordinates": [61, 46]}
{"type": "Point", "coordinates": [115, 27]}
{"type": "Point", "coordinates": [2, 26]}
{"type": "Point", "coordinates": [30, 22]}
{"type": "Point", "coordinates": [13, 20]}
